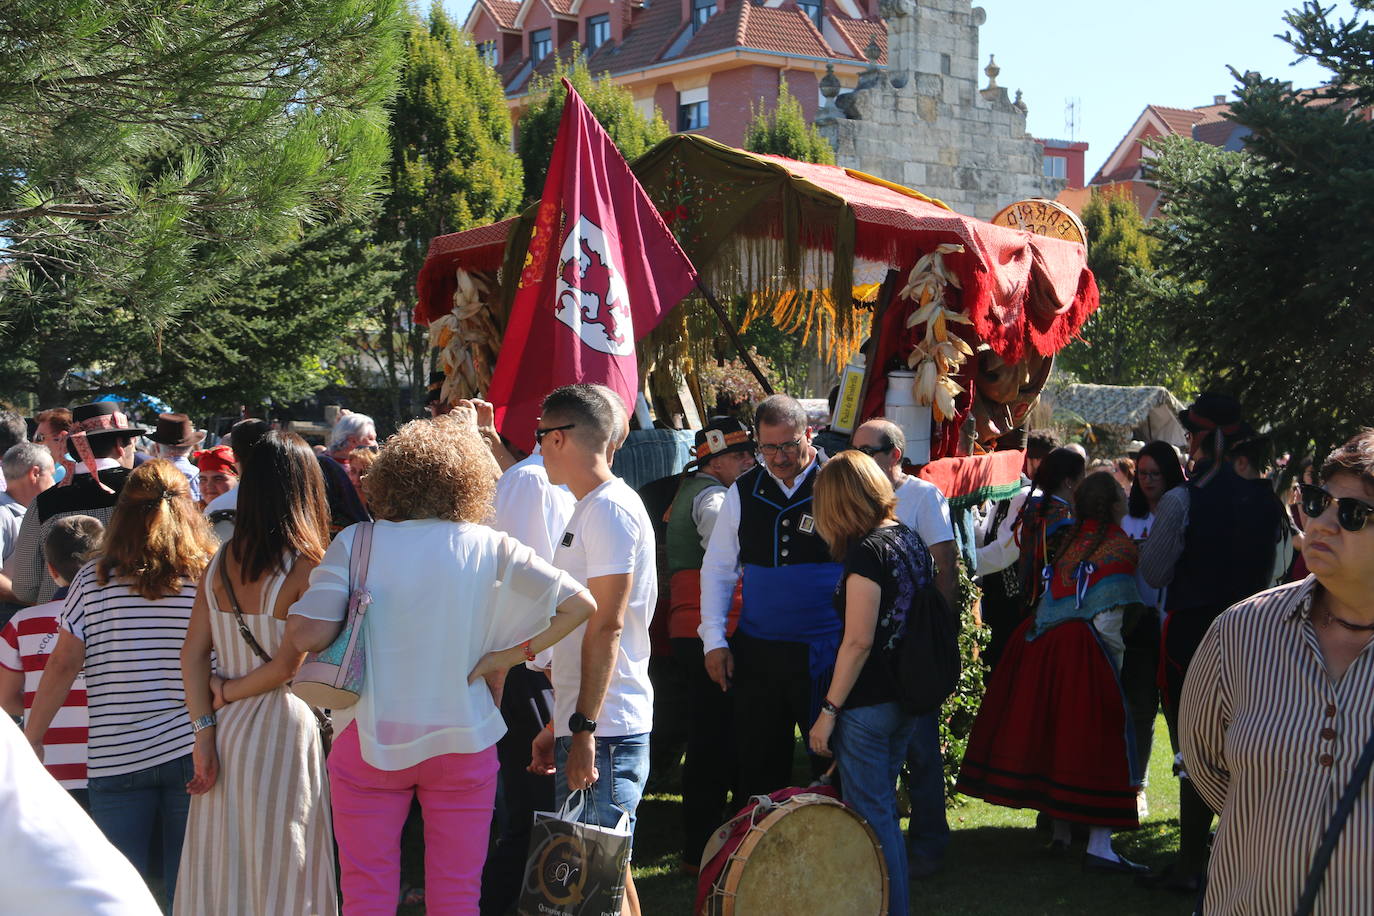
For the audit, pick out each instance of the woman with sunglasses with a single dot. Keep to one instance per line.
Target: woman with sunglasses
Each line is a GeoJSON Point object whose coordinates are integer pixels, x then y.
{"type": "Point", "coordinates": [1278, 707]}
{"type": "Point", "coordinates": [1157, 471]}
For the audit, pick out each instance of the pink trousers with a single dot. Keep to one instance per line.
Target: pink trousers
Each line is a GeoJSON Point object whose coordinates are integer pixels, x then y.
{"type": "Point", "coordinates": [457, 793]}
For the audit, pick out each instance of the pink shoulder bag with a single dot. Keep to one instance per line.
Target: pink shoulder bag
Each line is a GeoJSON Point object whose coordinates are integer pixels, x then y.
{"type": "Point", "coordinates": [333, 678]}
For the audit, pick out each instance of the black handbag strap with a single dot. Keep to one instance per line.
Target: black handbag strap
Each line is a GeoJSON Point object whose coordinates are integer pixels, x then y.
{"type": "Point", "coordinates": [238, 613]}
{"type": "Point", "coordinates": [322, 719]}
{"type": "Point", "coordinates": [1333, 830]}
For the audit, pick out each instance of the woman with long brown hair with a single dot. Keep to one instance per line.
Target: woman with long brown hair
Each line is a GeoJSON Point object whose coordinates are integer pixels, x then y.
{"type": "Point", "coordinates": [254, 725]}
{"type": "Point", "coordinates": [861, 721]}
{"type": "Point", "coordinates": [124, 620]}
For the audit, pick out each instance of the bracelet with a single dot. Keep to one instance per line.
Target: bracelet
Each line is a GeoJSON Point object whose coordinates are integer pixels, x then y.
{"type": "Point", "coordinates": [829, 708]}
{"type": "Point", "coordinates": [525, 647]}
{"type": "Point", "coordinates": [204, 722]}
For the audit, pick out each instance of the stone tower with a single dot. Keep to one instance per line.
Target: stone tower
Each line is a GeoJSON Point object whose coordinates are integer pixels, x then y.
{"type": "Point", "coordinates": [925, 122]}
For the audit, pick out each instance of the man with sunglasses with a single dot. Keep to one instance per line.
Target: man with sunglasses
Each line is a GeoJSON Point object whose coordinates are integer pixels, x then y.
{"type": "Point", "coordinates": [1213, 544]}
{"type": "Point", "coordinates": [788, 633]}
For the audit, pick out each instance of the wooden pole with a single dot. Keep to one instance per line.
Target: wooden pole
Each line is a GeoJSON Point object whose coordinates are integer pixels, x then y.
{"type": "Point", "coordinates": [734, 336]}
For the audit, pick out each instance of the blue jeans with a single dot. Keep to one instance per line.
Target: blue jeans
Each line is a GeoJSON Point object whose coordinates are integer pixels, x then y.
{"type": "Point", "coordinates": [928, 833]}
{"type": "Point", "coordinates": [125, 808]}
{"type": "Point", "coordinates": [869, 743]}
{"type": "Point", "coordinates": [622, 767]}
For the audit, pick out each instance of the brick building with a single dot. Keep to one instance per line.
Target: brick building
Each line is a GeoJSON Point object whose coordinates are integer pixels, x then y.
{"type": "Point", "coordinates": [1123, 172]}
{"type": "Point", "coordinates": [703, 63]}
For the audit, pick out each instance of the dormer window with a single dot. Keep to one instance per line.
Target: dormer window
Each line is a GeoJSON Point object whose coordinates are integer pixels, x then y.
{"type": "Point", "coordinates": [812, 8]}
{"type": "Point", "coordinates": [541, 45]}
{"type": "Point", "coordinates": [598, 32]}
{"type": "Point", "coordinates": [702, 11]}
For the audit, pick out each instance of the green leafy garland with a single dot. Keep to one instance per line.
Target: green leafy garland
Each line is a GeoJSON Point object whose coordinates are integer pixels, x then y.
{"type": "Point", "coordinates": [961, 708]}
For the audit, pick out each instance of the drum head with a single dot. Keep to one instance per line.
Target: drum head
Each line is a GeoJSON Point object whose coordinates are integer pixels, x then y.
{"type": "Point", "coordinates": [813, 857]}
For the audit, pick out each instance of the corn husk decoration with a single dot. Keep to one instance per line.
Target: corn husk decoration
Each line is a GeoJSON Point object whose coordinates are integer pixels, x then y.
{"type": "Point", "coordinates": [466, 339]}
{"type": "Point", "coordinates": [937, 358]}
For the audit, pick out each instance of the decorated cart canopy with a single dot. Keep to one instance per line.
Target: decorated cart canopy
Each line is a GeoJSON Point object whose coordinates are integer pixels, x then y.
{"type": "Point", "coordinates": [967, 313]}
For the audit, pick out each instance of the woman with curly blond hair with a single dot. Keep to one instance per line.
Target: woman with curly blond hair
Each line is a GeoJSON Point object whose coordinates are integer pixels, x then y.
{"type": "Point", "coordinates": [124, 620]}
{"type": "Point", "coordinates": [455, 605]}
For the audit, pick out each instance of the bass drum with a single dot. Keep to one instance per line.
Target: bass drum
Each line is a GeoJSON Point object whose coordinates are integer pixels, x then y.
{"type": "Point", "coordinates": [808, 854]}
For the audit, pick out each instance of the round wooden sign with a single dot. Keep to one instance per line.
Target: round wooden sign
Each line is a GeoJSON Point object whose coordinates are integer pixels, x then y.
{"type": "Point", "coordinates": [1043, 217]}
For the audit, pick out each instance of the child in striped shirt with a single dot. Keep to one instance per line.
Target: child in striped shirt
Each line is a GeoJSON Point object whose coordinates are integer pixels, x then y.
{"type": "Point", "coordinates": [27, 641]}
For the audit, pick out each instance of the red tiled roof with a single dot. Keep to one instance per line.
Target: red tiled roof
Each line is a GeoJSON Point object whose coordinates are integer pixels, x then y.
{"type": "Point", "coordinates": [503, 11]}
{"type": "Point", "coordinates": [1215, 133]}
{"type": "Point", "coordinates": [859, 32]}
{"type": "Point", "coordinates": [563, 7]}
{"type": "Point", "coordinates": [786, 30]}
{"type": "Point", "coordinates": [1179, 120]}
{"type": "Point", "coordinates": [653, 29]}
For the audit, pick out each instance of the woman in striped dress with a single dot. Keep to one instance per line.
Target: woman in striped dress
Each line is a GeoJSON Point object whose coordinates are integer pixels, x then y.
{"type": "Point", "coordinates": [259, 839]}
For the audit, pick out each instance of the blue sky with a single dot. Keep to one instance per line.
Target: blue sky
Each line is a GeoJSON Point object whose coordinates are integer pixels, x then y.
{"type": "Point", "coordinates": [1115, 57]}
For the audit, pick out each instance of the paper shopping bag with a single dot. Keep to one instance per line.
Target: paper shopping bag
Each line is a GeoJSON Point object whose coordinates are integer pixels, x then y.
{"type": "Point", "coordinates": [574, 869]}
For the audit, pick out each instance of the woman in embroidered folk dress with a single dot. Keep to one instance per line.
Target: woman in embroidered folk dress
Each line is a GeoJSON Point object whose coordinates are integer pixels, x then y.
{"type": "Point", "coordinates": [1054, 731]}
{"type": "Point", "coordinates": [258, 840]}
{"type": "Point", "coordinates": [1046, 518]}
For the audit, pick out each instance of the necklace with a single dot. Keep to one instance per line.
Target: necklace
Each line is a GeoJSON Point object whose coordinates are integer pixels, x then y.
{"type": "Point", "coordinates": [1357, 627]}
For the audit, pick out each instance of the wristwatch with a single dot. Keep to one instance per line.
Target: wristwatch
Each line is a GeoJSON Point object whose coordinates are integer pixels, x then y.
{"type": "Point", "coordinates": [204, 722]}
{"type": "Point", "coordinates": [580, 723]}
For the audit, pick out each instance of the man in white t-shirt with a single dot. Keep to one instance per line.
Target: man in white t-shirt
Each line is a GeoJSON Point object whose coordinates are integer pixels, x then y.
{"type": "Point", "coordinates": [536, 513]}
{"type": "Point", "coordinates": [922, 508]}
{"type": "Point", "coordinates": [603, 700]}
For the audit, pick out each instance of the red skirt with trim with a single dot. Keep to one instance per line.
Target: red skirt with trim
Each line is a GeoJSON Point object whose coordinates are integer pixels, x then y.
{"type": "Point", "coordinates": [1053, 732]}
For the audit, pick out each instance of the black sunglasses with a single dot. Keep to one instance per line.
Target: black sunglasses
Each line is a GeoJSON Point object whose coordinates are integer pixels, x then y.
{"type": "Point", "coordinates": [1352, 513]}
{"type": "Point", "coordinates": [539, 434]}
{"type": "Point", "coordinates": [871, 450]}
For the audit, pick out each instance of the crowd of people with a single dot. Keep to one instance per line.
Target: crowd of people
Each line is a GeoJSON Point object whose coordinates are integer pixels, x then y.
{"type": "Point", "coordinates": [161, 599]}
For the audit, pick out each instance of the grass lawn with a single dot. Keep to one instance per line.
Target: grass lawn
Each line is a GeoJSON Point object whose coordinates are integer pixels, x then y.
{"type": "Point", "coordinates": [996, 862]}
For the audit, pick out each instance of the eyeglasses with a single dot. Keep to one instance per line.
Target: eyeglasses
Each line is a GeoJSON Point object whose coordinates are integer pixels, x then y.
{"type": "Point", "coordinates": [539, 434]}
{"type": "Point", "coordinates": [790, 447]}
{"type": "Point", "coordinates": [871, 450]}
{"type": "Point", "coordinates": [39, 438]}
{"type": "Point", "coordinates": [1352, 513]}
{"type": "Point", "coordinates": [1149, 475]}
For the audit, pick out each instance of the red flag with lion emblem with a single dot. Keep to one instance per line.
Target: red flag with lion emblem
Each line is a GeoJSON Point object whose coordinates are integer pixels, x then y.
{"type": "Point", "coordinates": [601, 271]}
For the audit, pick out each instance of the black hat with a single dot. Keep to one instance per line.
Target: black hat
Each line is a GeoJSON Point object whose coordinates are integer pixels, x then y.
{"type": "Point", "coordinates": [1213, 411]}
{"type": "Point", "coordinates": [719, 436]}
{"type": "Point", "coordinates": [104, 418]}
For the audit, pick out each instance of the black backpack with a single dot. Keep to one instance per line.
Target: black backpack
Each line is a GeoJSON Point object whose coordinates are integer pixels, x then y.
{"type": "Point", "coordinates": [926, 664]}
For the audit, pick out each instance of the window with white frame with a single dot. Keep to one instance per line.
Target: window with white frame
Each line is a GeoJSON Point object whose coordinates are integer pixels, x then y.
{"type": "Point", "coordinates": [598, 31]}
{"type": "Point", "coordinates": [541, 44]}
{"type": "Point", "coordinates": [812, 8]}
{"type": "Point", "coordinates": [693, 109]}
{"type": "Point", "coordinates": [487, 51]}
{"type": "Point", "coordinates": [1056, 167]}
{"type": "Point", "coordinates": [702, 11]}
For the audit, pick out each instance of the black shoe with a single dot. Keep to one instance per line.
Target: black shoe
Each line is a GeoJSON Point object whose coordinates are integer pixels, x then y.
{"type": "Point", "coordinates": [1121, 866]}
{"type": "Point", "coordinates": [1170, 878]}
{"type": "Point", "coordinates": [1057, 848]}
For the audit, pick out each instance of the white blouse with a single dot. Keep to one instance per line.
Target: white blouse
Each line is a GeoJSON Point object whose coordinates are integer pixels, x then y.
{"type": "Point", "coordinates": [443, 595]}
